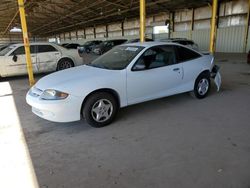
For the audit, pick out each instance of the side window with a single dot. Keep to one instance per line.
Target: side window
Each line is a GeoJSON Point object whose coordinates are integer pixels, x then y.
{"type": "Point", "coordinates": [185, 54]}
{"type": "Point", "coordinates": [33, 49]}
{"type": "Point", "coordinates": [156, 57]}
{"type": "Point", "coordinates": [46, 48]}
{"type": "Point", "coordinates": [19, 51]}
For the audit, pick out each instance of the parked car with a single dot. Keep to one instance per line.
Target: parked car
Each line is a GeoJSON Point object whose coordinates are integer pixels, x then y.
{"type": "Point", "coordinates": [64, 44]}
{"type": "Point", "coordinates": [2, 47]}
{"type": "Point", "coordinates": [182, 41]}
{"type": "Point", "coordinates": [138, 40]}
{"type": "Point", "coordinates": [72, 46]}
{"type": "Point", "coordinates": [45, 57]}
{"type": "Point", "coordinates": [126, 75]}
{"type": "Point", "coordinates": [88, 46]}
{"type": "Point", "coordinates": [108, 45]}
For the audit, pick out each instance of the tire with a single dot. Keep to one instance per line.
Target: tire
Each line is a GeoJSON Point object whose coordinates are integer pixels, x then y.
{"type": "Point", "coordinates": [202, 86]}
{"type": "Point", "coordinates": [100, 109]}
{"type": "Point", "coordinates": [65, 63]}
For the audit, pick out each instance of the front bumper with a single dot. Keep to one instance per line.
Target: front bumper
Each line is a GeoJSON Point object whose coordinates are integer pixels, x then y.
{"type": "Point", "coordinates": [66, 110]}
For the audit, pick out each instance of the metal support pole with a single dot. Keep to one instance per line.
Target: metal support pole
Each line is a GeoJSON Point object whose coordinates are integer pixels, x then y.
{"type": "Point", "coordinates": [192, 25]}
{"type": "Point", "coordinates": [84, 33]}
{"type": "Point", "coordinates": [94, 32]}
{"type": "Point", "coordinates": [213, 26]}
{"type": "Point", "coordinates": [122, 26]}
{"type": "Point", "coordinates": [142, 20]}
{"type": "Point", "coordinates": [247, 28]}
{"type": "Point", "coordinates": [70, 35]}
{"type": "Point", "coordinates": [26, 42]}
{"type": "Point", "coordinates": [107, 31]}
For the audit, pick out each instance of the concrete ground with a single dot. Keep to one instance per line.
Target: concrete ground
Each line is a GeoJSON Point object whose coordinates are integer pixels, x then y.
{"type": "Point", "coordinates": [176, 142]}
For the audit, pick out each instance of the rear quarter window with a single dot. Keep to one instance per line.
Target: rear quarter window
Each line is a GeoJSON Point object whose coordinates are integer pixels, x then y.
{"type": "Point", "coordinates": [46, 48]}
{"type": "Point", "coordinates": [185, 54]}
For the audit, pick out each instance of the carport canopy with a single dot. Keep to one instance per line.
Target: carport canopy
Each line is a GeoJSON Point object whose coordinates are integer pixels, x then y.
{"type": "Point", "coordinates": [50, 17]}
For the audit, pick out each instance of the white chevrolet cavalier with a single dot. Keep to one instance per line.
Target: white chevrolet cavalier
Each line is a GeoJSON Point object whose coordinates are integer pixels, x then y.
{"type": "Point", "coordinates": [45, 57]}
{"type": "Point", "coordinates": [126, 75]}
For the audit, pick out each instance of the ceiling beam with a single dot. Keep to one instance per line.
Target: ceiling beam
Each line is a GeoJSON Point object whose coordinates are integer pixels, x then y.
{"type": "Point", "coordinates": [105, 16]}
{"type": "Point", "coordinates": [68, 15]}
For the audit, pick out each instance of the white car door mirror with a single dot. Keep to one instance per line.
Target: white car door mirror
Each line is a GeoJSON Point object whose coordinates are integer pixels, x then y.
{"type": "Point", "coordinates": [14, 58]}
{"type": "Point", "coordinates": [138, 67]}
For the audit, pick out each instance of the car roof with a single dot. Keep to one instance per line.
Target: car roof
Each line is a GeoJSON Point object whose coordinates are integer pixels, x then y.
{"type": "Point", "coordinates": [33, 43]}
{"type": "Point", "coordinates": [155, 43]}
{"type": "Point", "coordinates": [147, 44]}
{"type": "Point", "coordinates": [115, 40]}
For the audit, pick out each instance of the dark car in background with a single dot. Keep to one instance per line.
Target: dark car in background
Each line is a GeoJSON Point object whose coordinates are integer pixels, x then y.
{"type": "Point", "coordinates": [182, 41]}
{"type": "Point", "coordinates": [88, 46]}
{"type": "Point", "coordinates": [72, 46]}
{"type": "Point", "coordinates": [64, 44]}
{"type": "Point", "coordinates": [138, 40]}
{"type": "Point", "coordinates": [108, 45]}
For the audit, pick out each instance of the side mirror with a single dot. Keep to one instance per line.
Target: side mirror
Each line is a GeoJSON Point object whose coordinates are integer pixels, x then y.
{"type": "Point", "coordinates": [14, 58]}
{"type": "Point", "coordinates": [139, 67]}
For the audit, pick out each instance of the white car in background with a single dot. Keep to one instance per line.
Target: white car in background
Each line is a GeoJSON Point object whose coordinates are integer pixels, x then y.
{"type": "Point", "coordinates": [126, 75]}
{"type": "Point", "coordinates": [46, 57]}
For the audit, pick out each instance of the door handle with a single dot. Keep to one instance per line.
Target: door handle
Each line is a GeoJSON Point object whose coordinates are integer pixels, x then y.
{"type": "Point", "coordinates": [176, 69]}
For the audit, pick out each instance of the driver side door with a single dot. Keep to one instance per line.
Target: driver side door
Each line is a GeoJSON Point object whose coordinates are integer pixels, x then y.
{"type": "Point", "coordinates": [16, 61]}
{"type": "Point", "coordinates": [155, 74]}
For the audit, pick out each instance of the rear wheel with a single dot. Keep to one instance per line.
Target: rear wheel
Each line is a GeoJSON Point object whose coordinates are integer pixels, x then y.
{"type": "Point", "coordinates": [65, 64]}
{"type": "Point", "coordinates": [202, 86]}
{"type": "Point", "coordinates": [100, 109]}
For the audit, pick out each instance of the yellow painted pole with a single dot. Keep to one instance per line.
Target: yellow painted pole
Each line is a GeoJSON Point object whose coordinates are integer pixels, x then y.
{"type": "Point", "coordinates": [247, 29]}
{"type": "Point", "coordinates": [26, 42]}
{"type": "Point", "coordinates": [142, 20]}
{"type": "Point", "coordinates": [213, 26]}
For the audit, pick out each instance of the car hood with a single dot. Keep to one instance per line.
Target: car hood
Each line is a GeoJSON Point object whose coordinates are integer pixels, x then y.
{"type": "Point", "coordinates": [72, 76]}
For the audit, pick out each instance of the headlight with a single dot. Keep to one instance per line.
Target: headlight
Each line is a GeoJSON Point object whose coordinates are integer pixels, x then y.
{"type": "Point", "coordinates": [51, 94]}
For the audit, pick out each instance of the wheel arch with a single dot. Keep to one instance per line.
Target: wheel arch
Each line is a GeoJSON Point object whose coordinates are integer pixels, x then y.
{"type": "Point", "coordinates": [107, 90]}
{"type": "Point", "coordinates": [66, 57]}
{"type": "Point", "coordinates": [205, 72]}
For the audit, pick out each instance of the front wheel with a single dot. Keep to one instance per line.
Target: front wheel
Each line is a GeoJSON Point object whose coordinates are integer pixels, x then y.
{"type": "Point", "coordinates": [202, 86]}
{"type": "Point", "coordinates": [100, 109]}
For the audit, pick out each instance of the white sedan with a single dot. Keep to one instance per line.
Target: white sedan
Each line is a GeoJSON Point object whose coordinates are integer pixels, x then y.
{"type": "Point", "coordinates": [126, 75]}
{"type": "Point", "coordinates": [46, 57]}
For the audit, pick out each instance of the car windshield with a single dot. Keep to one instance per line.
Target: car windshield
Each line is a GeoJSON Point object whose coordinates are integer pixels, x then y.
{"type": "Point", "coordinates": [118, 58]}
{"type": "Point", "coordinates": [6, 50]}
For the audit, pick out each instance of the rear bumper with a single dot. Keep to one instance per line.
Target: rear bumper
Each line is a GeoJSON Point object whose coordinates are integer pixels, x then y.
{"type": "Point", "coordinates": [215, 74]}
